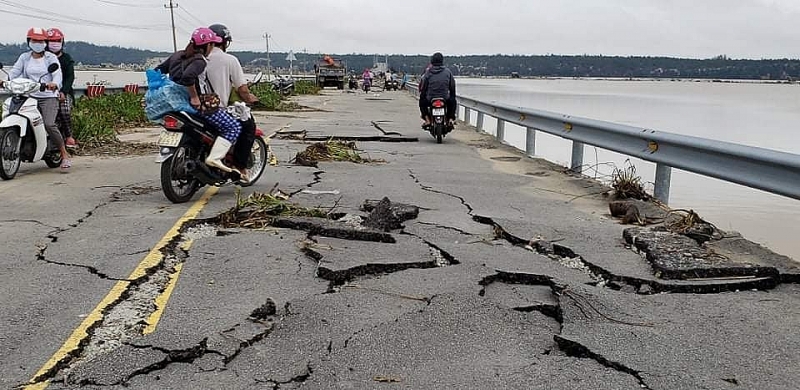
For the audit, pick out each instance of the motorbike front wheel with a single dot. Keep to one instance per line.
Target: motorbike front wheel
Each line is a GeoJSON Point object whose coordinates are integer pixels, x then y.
{"type": "Point", "coordinates": [259, 158]}
{"type": "Point", "coordinates": [177, 184]}
{"type": "Point", "coordinates": [9, 153]}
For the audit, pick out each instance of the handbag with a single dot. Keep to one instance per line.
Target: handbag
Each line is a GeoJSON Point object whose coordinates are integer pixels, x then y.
{"type": "Point", "coordinates": [209, 103]}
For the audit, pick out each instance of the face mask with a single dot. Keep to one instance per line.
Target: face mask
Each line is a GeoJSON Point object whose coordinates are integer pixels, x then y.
{"type": "Point", "coordinates": [37, 47]}
{"type": "Point", "coordinates": [55, 46]}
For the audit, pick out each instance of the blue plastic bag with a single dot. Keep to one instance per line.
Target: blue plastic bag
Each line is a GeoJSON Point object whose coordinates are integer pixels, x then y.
{"type": "Point", "coordinates": [164, 96]}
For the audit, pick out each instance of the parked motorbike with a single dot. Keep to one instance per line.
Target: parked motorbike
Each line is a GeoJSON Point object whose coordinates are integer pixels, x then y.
{"type": "Point", "coordinates": [22, 133]}
{"type": "Point", "coordinates": [282, 85]}
{"type": "Point", "coordinates": [184, 144]}
{"type": "Point", "coordinates": [439, 126]}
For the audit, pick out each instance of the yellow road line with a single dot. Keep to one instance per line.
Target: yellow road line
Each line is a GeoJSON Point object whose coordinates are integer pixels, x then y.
{"type": "Point", "coordinates": [149, 261]}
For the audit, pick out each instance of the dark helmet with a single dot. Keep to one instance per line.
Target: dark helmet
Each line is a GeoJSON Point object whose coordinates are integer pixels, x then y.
{"type": "Point", "coordinates": [437, 59]}
{"type": "Point", "coordinates": [222, 32]}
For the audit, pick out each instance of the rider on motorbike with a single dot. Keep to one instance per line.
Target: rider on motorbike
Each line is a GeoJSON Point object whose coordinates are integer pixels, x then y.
{"type": "Point", "coordinates": [66, 97]}
{"type": "Point", "coordinates": [438, 82]}
{"type": "Point", "coordinates": [188, 68]}
{"type": "Point", "coordinates": [33, 65]}
{"type": "Point", "coordinates": [226, 76]}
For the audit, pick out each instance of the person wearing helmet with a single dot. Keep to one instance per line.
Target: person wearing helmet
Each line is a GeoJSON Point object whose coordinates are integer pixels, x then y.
{"type": "Point", "coordinates": [225, 74]}
{"type": "Point", "coordinates": [66, 97]}
{"type": "Point", "coordinates": [438, 82]}
{"type": "Point", "coordinates": [188, 68]}
{"type": "Point", "coordinates": [33, 65]}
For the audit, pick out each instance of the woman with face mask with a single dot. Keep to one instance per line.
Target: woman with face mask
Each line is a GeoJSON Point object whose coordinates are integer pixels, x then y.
{"type": "Point", "coordinates": [66, 97]}
{"type": "Point", "coordinates": [33, 65]}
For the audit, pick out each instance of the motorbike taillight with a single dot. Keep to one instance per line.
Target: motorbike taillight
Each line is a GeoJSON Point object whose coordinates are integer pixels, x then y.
{"type": "Point", "coordinates": [438, 103]}
{"type": "Point", "coordinates": [172, 123]}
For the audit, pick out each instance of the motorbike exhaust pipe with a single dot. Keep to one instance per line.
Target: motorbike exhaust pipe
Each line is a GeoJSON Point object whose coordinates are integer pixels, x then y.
{"type": "Point", "coordinates": [202, 173]}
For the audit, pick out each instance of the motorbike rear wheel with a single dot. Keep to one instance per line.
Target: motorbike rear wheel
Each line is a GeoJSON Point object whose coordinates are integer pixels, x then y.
{"type": "Point", "coordinates": [53, 159]}
{"type": "Point", "coordinates": [178, 186]}
{"type": "Point", "coordinates": [438, 130]}
{"type": "Point", "coordinates": [9, 153]}
{"type": "Point", "coordinates": [259, 158]}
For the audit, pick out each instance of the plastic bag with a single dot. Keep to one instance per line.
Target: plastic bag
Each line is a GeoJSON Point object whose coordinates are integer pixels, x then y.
{"type": "Point", "coordinates": [164, 96]}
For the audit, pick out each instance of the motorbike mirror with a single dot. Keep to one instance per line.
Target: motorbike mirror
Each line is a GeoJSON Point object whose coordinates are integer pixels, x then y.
{"type": "Point", "coordinates": [259, 76]}
{"type": "Point", "coordinates": [52, 68]}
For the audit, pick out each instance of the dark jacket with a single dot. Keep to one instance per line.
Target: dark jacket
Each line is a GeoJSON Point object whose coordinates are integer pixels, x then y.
{"type": "Point", "coordinates": [438, 82]}
{"type": "Point", "coordinates": [183, 70]}
{"type": "Point", "coordinates": [67, 65]}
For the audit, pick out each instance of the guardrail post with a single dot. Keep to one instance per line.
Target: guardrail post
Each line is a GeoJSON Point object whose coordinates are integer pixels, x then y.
{"type": "Point", "coordinates": [467, 114]}
{"type": "Point", "coordinates": [663, 178]}
{"type": "Point", "coordinates": [501, 129]}
{"type": "Point", "coordinates": [530, 142]}
{"type": "Point", "coordinates": [479, 126]}
{"type": "Point", "coordinates": [577, 157]}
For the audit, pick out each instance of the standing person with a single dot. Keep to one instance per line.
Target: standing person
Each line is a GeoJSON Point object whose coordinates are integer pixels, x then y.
{"type": "Point", "coordinates": [226, 75]}
{"type": "Point", "coordinates": [66, 97]}
{"type": "Point", "coordinates": [33, 65]}
{"type": "Point", "coordinates": [438, 82]}
{"type": "Point", "coordinates": [188, 68]}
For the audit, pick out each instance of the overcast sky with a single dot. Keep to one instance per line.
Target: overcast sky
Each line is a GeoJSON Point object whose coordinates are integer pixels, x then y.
{"type": "Point", "coordinates": [682, 28]}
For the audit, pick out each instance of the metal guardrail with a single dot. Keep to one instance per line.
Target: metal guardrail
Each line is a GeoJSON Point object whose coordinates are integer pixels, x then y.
{"type": "Point", "coordinates": [764, 169]}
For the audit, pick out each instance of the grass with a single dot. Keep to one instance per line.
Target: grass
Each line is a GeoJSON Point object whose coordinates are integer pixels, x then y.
{"type": "Point", "coordinates": [97, 120]}
{"type": "Point", "coordinates": [258, 209]}
{"type": "Point", "coordinates": [328, 151]}
{"type": "Point", "coordinates": [306, 87]}
{"type": "Point", "coordinates": [627, 184]}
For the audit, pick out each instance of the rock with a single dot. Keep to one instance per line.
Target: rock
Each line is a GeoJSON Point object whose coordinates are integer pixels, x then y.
{"type": "Point", "coordinates": [266, 310]}
{"type": "Point", "coordinates": [382, 217]}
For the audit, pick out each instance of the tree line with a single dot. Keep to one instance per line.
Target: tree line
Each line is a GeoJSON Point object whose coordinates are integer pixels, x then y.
{"type": "Point", "coordinates": [719, 67]}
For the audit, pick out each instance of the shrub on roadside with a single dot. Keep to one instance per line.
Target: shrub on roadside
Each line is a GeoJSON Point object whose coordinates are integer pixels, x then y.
{"type": "Point", "coordinates": [97, 120]}
{"type": "Point", "coordinates": [306, 87]}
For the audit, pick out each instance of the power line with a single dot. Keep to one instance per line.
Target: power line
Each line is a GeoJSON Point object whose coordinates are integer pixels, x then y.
{"type": "Point", "coordinates": [128, 5]}
{"type": "Point", "coordinates": [66, 17]}
{"type": "Point", "coordinates": [79, 22]}
{"type": "Point", "coordinates": [186, 11]}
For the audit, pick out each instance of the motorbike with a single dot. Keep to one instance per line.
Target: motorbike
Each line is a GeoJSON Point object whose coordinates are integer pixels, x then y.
{"type": "Point", "coordinates": [184, 143]}
{"type": "Point", "coordinates": [353, 82]}
{"type": "Point", "coordinates": [22, 133]}
{"type": "Point", "coordinates": [439, 126]}
{"type": "Point", "coordinates": [284, 86]}
{"type": "Point", "coordinates": [391, 85]}
{"type": "Point", "coordinates": [367, 84]}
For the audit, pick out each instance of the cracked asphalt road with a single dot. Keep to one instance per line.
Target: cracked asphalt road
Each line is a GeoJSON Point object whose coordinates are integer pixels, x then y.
{"type": "Point", "coordinates": [504, 279]}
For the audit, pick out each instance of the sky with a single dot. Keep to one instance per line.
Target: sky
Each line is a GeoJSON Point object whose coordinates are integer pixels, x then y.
{"type": "Point", "coordinates": [676, 28]}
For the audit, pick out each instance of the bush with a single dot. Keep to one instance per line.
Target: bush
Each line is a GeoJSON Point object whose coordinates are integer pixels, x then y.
{"type": "Point", "coordinates": [269, 99]}
{"type": "Point", "coordinates": [97, 120]}
{"type": "Point", "coordinates": [306, 87]}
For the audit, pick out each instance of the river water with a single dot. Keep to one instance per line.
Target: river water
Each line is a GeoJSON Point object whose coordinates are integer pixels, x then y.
{"type": "Point", "coordinates": [756, 114]}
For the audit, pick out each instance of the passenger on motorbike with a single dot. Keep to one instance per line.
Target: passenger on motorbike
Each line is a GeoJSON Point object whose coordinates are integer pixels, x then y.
{"type": "Point", "coordinates": [225, 74]}
{"type": "Point", "coordinates": [66, 97]}
{"type": "Point", "coordinates": [188, 68]}
{"type": "Point", "coordinates": [33, 65]}
{"type": "Point", "coordinates": [438, 82]}
{"type": "Point", "coordinates": [367, 76]}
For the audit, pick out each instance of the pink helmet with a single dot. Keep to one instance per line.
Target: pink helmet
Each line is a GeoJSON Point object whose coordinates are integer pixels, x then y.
{"type": "Point", "coordinates": [204, 35]}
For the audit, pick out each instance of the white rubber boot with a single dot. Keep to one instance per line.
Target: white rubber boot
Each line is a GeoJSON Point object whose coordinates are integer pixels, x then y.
{"type": "Point", "coordinates": [217, 153]}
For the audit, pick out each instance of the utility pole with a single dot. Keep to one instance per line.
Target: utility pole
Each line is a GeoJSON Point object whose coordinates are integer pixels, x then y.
{"type": "Point", "coordinates": [266, 37]}
{"type": "Point", "coordinates": [172, 7]}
